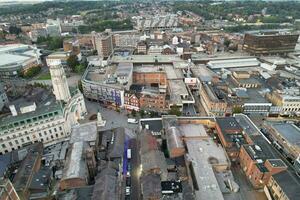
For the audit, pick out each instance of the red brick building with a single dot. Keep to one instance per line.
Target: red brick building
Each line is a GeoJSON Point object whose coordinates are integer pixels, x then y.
{"type": "Point", "coordinates": [131, 102]}
{"type": "Point", "coordinates": [231, 135]}
{"type": "Point", "coordinates": [153, 101]}
{"type": "Point", "coordinates": [257, 166]}
{"type": "Point", "coordinates": [148, 78]}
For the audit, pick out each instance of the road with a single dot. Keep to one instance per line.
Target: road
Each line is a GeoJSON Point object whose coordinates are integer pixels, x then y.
{"type": "Point", "coordinates": [246, 190]}
{"type": "Point", "coordinates": [135, 170]}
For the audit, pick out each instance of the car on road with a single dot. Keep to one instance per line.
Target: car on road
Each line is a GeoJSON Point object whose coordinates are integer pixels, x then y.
{"type": "Point", "coordinates": [132, 121]}
{"type": "Point", "coordinates": [127, 191]}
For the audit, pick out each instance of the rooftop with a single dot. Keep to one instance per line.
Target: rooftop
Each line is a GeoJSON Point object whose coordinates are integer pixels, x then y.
{"type": "Point", "coordinates": [150, 59]}
{"type": "Point", "coordinates": [75, 166]}
{"type": "Point", "coordinates": [289, 131]}
{"type": "Point", "coordinates": [193, 130]}
{"type": "Point", "coordinates": [290, 187]}
{"type": "Point", "coordinates": [16, 54]}
{"type": "Point", "coordinates": [229, 125]}
{"type": "Point", "coordinates": [233, 63]}
{"type": "Point", "coordinates": [84, 132]}
{"type": "Point", "coordinates": [247, 125]}
{"type": "Point", "coordinates": [202, 154]}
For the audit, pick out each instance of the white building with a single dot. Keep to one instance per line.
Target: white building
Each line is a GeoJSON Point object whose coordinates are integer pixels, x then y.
{"type": "Point", "coordinates": [59, 82]}
{"type": "Point", "coordinates": [53, 27]}
{"type": "Point", "coordinates": [49, 123]}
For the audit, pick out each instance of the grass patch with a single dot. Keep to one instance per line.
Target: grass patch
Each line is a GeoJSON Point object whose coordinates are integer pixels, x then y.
{"type": "Point", "coordinates": [44, 77]}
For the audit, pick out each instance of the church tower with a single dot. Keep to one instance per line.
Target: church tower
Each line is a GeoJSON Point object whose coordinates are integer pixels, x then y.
{"type": "Point", "coordinates": [59, 82]}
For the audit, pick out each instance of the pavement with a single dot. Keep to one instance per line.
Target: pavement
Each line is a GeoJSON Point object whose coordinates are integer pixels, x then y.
{"type": "Point", "coordinates": [113, 119]}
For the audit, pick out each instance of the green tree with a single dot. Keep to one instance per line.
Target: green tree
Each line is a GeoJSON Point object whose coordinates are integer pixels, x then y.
{"type": "Point", "coordinates": [14, 30]}
{"type": "Point", "coordinates": [142, 113]}
{"type": "Point", "coordinates": [133, 113]}
{"type": "Point", "coordinates": [175, 111]}
{"type": "Point", "coordinates": [31, 72]}
{"type": "Point", "coordinates": [72, 62]}
{"type": "Point", "coordinates": [237, 109]}
{"type": "Point", "coordinates": [227, 43]}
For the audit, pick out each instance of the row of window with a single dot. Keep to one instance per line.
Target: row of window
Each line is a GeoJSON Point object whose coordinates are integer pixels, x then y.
{"type": "Point", "coordinates": [31, 130]}
{"type": "Point", "coordinates": [28, 139]}
{"type": "Point", "coordinates": [29, 121]}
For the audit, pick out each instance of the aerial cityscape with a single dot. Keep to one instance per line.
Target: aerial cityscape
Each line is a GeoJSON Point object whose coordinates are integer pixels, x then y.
{"type": "Point", "coordinates": [149, 100]}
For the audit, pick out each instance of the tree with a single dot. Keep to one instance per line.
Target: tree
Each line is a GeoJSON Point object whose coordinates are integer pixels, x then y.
{"type": "Point", "coordinates": [142, 113]}
{"type": "Point", "coordinates": [175, 111]}
{"type": "Point", "coordinates": [227, 43]}
{"type": "Point", "coordinates": [14, 30]}
{"type": "Point", "coordinates": [31, 72]}
{"type": "Point", "coordinates": [133, 113]}
{"type": "Point", "coordinates": [73, 62]}
{"type": "Point", "coordinates": [80, 86]}
{"type": "Point", "coordinates": [237, 109]}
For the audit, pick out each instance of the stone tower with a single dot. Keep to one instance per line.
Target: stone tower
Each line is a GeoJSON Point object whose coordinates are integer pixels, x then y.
{"type": "Point", "coordinates": [59, 82]}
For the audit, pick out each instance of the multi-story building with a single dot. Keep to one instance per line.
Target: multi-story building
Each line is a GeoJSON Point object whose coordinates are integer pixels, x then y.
{"type": "Point", "coordinates": [53, 27]}
{"type": "Point", "coordinates": [103, 43]}
{"type": "Point", "coordinates": [72, 45]}
{"type": "Point", "coordinates": [286, 138]}
{"type": "Point", "coordinates": [149, 75]}
{"type": "Point", "coordinates": [36, 33]}
{"type": "Point", "coordinates": [288, 100]}
{"type": "Point", "coordinates": [270, 42]}
{"type": "Point", "coordinates": [17, 57]}
{"type": "Point", "coordinates": [213, 103]}
{"type": "Point", "coordinates": [126, 38]}
{"type": "Point", "coordinates": [3, 97]}
{"type": "Point", "coordinates": [231, 135]}
{"type": "Point", "coordinates": [142, 48]}
{"type": "Point", "coordinates": [107, 84]}
{"type": "Point", "coordinates": [282, 186]}
{"type": "Point", "coordinates": [152, 99]}
{"type": "Point", "coordinates": [7, 190]}
{"type": "Point", "coordinates": [258, 166]}
{"type": "Point", "coordinates": [60, 57]}
{"type": "Point", "coordinates": [48, 122]}
{"type": "Point", "coordinates": [131, 102]}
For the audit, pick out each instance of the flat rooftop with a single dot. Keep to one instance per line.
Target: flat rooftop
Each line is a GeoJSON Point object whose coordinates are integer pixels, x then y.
{"type": "Point", "coordinates": [233, 63]}
{"type": "Point", "coordinates": [84, 132]}
{"type": "Point", "coordinates": [201, 154]}
{"type": "Point", "coordinates": [229, 125]}
{"type": "Point", "coordinates": [247, 125]}
{"type": "Point", "coordinates": [146, 59]}
{"type": "Point", "coordinates": [288, 131]}
{"type": "Point", "coordinates": [16, 54]}
{"type": "Point", "coordinates": [192, 130]}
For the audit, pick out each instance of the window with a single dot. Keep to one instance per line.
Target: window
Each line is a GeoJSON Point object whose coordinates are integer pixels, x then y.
{"type": "Point", "coordinates": [16, 141]}
{"type": "Point", "coordinates": [3, 146]}
{"type": "Point", "coordinates": [10, 144]}
{"type": "Point", "coordinates": [22, 140]}
{"type": "Point", "coordinates": [28, 138]}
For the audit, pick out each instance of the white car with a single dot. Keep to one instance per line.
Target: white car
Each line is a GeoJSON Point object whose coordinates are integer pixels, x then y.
{"type": "Point", "coordinates": [127, 190]}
